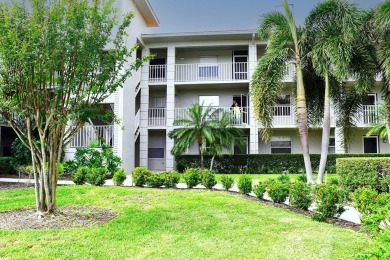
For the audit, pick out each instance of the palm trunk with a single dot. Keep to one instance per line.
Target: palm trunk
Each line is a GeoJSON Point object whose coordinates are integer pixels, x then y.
{"type": "Point", "coordinates": [325, 131]}
{"type": "Point", "coordinates": [212, 162]}
{"type": "Point", "coordinates": [302, 120]}
{"type": "Point", "coordinates": [387, 118]}
{"type": "Point", "coordinates": [200, 153]}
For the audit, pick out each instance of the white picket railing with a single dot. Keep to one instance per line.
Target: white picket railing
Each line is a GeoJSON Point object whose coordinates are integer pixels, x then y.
{"type": "Point", "coordinates": [157, 73]}
{"type": "Point", "coordinates": [241, 118]}
{"type": "Point", "coordinates": [284, 115]}
{"type": "Point", "coordinates": [157, 117]}
{"type": "Point", "coordinates": [368, 115]}
{"type": "Point", "coordinates": [232, 71]}
{"type": "Point", "coordinates": [104, 134]}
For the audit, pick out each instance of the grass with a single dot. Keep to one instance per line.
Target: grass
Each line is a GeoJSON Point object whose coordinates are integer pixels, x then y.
{"type": "Point", "coordinates": [179, 224]}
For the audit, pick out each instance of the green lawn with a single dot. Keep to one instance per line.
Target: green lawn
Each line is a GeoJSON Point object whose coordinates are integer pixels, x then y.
{"type": "Point", "coordinates": [180, 224]}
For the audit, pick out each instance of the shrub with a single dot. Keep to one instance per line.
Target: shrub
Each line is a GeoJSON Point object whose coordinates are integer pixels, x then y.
{"type": "Point", "coordinates": [302, 178]}
{"type": "Point", "coordinates": [259, 189]}
{"type": "Point", "coordinates": [26, 171]}
{"type": "Point", "coordinates": [79, 177]}
{"type": "Point", "coordinates": [329, 199]}
{"type": "Point", "coordinates": [119, 177]}
{"type": "Point", "coordinates": [365, 199]}
{"type": "Point", "coordinates": [300, 195]}
{"type": "Point", "coordinates": [264, 170]}
{"type": "Point", "coordinates": [227, 182]}
{"type": "Point", "coordinates": [96, 176]}
{"type": "Point", "coordinates": [331, 169]}
{"type": "Point", "coordinates": [284, 178]}
{"type": "Point", "coordinates": [140, 175]}
{"type": "Point", "coordinates": [192, 177]}
{"type": "Point", "coordinates": [379, 249]}
{"type": "Point", "coordinates": [293, 169]}
{"type": "Point", "coordinates": [171, 179]}
{"type": "Point", "coordinates": [21, 154]}
{"type": "Point", "coordinates": [278, 191]}
{"type": "Point", "coordinates": [318, 217]}
{"type": "Point", "coordinates": [363, 172]}
{"type": "Point", "coordinates": [277, 170]}
{"type": "Point", "coordinates": [155, 180]}
{"type": "Point", "coordinates": [245, 184]}
{"type": "Point", "coordinates": [334, 181]}
{"type": "Point", "coordinates": [7, 165]}
{"type": "Point", "coordinates": [208, 179]}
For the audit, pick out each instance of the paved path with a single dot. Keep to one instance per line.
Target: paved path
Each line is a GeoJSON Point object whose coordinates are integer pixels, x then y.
{"type": "Point", "coordinates": [350, 214]}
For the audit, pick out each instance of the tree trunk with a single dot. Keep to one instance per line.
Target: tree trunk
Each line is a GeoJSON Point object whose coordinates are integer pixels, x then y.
{"type": "Point", "coordinates": [200, 152]}
{"type": "Point", "coordinates": [212, 162]}
{"type": "Point", "coordinates": [325, 131]}
{"type": "Point", "coordinates": [302, 120]}
{"type": "Point", "coordinates": [387, 118]}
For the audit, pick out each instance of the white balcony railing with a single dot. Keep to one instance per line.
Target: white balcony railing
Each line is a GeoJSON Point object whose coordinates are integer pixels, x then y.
{"type": "Point", "coordinates": [369, 115]}
{"type": "Point", "coordinates": [104, 134]}
{"type": "Point", "coordinates": [290, 74]}
{"type": "Point", "coordinates": [157, 117]}
{"type": "Point", "coordinates": [284, 115]}
{"type": "Point", "coordinates": [216, 113]}
{"type": "Point", "coordinates": [233, 71]}
{"type": "Point", "coordinates": [157, 73]}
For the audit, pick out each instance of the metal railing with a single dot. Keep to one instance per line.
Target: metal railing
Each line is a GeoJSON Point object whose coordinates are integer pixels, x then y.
{"type": "Point", "coordinates": [241, 118]}
{"type": "Point", "coordinates": [157, 116]}
{"type": "Point", "coordinates": [104, 134]}
{"type": "Point", "coordinates": [369, 115]}
{"type": "Point", "coordinates": [158, 73]}
{"type": "Point", "coordinates": [232, 71]}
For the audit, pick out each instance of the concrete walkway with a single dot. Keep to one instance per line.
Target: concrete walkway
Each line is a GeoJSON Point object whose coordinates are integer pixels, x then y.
{"type": "Point", "coordinates": [350, 213]}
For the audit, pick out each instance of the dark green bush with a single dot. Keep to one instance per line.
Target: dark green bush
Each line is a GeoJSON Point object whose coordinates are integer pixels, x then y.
{"type": "Point", "coordinates": [79, 177]}
{"type": "Point", "coordinates": [155, 180]}
{"type": "Point", "coordinates": [208, 179]}
{"type": "Point", "coordinates": [21, 153]}
{"type": "Point", "coordinates": [7, 165]}
{"type": "Point", "coordinates": [300, 195]}
{"type": "Point", "coordinates": [363, 172]}
{"type": "Point", "coordinates": [140, 175]}
{"type": "Point", "coordinates": [278, 191]}
{"type": "Point", "coordinates": [293, 169]}
{"type": "Point", "coordinates": [259, 189]}
{"type": "Point", "coordinates": [171, 179]}
{"type": "Point", "coordinates": [96, 176]}
{"type": "Point", "coordinates": [119, 177]}
{"type": "Point", "coordinates": [245, 184]}
{"type": "Point", "coordinates": [252, 163]}
{"type": "Point", "coordinates": [329, 199]}
{"type": "Point", "coordinates": [264, 170]}
{"type": "Point", "coordinates": [192, 177]}
{"type": "Point", "coordinates": [227, 182]}
{"type": "Point", "coordinates": [277, 170]}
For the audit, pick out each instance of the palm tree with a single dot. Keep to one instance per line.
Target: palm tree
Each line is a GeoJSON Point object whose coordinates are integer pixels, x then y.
{"type": "Point", "coordinates": [283, 39]}
{"type": "Point", "coordinates": [225, 135]}
{"type": "Point", "coordinates": [331, 32]}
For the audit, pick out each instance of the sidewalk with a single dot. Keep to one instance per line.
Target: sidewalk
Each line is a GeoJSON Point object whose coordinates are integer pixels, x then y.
{"type": "Point", "coordinates": [350, 214]}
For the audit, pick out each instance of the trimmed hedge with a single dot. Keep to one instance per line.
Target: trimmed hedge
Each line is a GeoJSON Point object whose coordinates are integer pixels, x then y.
{"type": "Point", "coordinates": [7, 165]}
{"type": "Point", "coordinates": [364, 172]}
{"type": "Point", "coordinates": [254, 163]}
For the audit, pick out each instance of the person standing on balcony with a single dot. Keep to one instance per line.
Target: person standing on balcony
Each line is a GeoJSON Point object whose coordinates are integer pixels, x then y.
{"type": "Point", "coordinates": [237, 113]}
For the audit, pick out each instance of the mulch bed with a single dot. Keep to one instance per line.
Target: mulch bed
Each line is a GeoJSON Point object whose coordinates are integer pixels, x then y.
{"type": "Point", "coordinates": [64, 218]}
{"type": "Point", "coordinates": [14, 185]}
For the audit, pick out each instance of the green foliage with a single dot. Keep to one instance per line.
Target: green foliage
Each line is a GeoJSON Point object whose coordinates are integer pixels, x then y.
{"type": "Point", "coordinates": [244, 184]}
{"type": "Point", "coordinates": [380, 249]}
{"type": "Point", "coordinates": [21, 154]}
{"type": "Point", "coordinates": [171, 179]}
{"type": "Point", "coordinates": [302, 178]}
{"type": "Point", "coordinates": [278, 191]}
{"type": "Point", "coordinates": [155, 180]}
{"type": "Point", "coordinates": [227, 182]}
{"type": "Point", "coordinates": [119, 177]}
{"type": "Point", "coordinates": [140, 176]}
{"type": "Point", "coordinates": [192, 177]}
{"type": "Point", "coordinates": [7, 165]}
{"type": "Point", "coordinates": [284, 178]}
{"type": "Point", "coordinates": [365, 199]}
{"type": "Point", "coordinates": [300, 195]}
{"type": "Point", "coordinates": [293, 169]}
{"type": "Point", "coordinates": [94, 156]}
{"type": "Point", "coordinates": [96, 176]}
{"type": "Point", "coordinates": [255, 163]}
{"type": "Point", "coordinates": [80, 176]}
{"type": "Point", "coordinates": [331, 169]}
{"type": "Point", "coordinates": [318, 217]}
{"type": "Point", "coordinates": [363, 172]}
{"type": "Point", "coordinates": [259, 189]}
{"type": "Point", "coordinates": [208, 179]}
{"type": "Point", "coordinates": [329, 199]}
{"type": "Point", "coordinates": [334, 181]}
{"type": "Point", "coordinates": [26, 171]}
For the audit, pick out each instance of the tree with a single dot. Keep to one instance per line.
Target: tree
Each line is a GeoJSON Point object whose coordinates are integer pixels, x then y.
{"type": "Point", "coordinates": [58, 60]}
{"type": "Point", "coordinates": [283, 39]}
{"type": "Point", "coordinates": [332, 28]}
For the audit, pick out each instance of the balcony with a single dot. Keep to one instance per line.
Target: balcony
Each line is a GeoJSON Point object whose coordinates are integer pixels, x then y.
{"type": "Point", "coordinates": [290, 74]}
{"type": "Point", "coordinates": [104, 134]}
{"type": "Point", "coordinates": [369, 115]}
{"type": "Point", "coordinates": [157, 117]}
{"type": "Point", "coordinates": [157, 73]}
{"type": "Point", "coordinates": [216, 113]}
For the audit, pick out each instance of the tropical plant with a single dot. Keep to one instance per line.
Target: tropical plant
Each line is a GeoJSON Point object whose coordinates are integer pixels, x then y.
{"type": "Point", "coordinates": [227, 182]}
{"type": "Point", "coordinates": [332, 30]}
{"type": "Point", "coordinates": [119, 177]}
{"type": "Point", "coordinates": [283, 39]}
{"type": "Point", "coordinates": [51, 78]}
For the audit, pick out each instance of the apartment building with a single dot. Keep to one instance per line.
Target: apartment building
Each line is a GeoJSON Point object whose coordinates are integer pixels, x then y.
{"type": "Point", "coordinates": [209, 68]}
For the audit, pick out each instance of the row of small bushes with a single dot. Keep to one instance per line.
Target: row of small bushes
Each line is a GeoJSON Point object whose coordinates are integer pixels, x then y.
{"type": "Point", "coordinates": [262, 163]}
{"type": "Point", "coordinates": [97, 176]}
{"type": "Point", "coordinates": [7, 165]}
{"type": "Point", "coordinates": [142, 176]}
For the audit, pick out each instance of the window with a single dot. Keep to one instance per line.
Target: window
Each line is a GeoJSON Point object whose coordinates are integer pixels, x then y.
{"type": "Point", "coordinates": [283, 107]}
{"type": "Point", "coordinates": [156, 153]}
{"type": "Point", "coordinates": [332, 145]}
{"type": "Point", "coordinates": [208, 67]}
{"type": "Point", "coordinates": [280, 145]}
{"type": "Point", "coordinates": [207, 101]}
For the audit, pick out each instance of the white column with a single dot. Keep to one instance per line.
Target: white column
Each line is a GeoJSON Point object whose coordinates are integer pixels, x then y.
{"type": "Point", "coordinates": [254, 130]}
{"type": "Point", "coordinates": [170, 113]}
{"type": "Point", "coordinates": [143, 135]}
{"type": "Point", "coordinates": [339, 136]}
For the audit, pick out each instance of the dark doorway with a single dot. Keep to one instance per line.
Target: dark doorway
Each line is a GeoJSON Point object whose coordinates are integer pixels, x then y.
{"type": "Point", "coordinates": [370, 144]}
